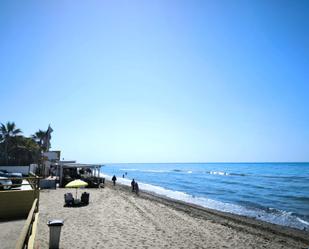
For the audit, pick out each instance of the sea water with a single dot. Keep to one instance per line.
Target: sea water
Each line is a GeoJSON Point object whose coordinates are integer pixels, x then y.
{"type": "Point", "coordinates": [272, 192]}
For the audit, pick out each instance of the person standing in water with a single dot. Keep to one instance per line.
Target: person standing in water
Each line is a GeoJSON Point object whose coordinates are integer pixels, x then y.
{"type": "Point", "coordinates": [114, 179]}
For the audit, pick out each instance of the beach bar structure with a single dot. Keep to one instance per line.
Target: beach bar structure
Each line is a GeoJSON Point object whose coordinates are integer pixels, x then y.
{"type": "Point", "coordinates": [72, 170]}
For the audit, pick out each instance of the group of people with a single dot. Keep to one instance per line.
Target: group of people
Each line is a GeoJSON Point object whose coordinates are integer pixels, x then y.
{"type": "Point", "coordinates": [134, 184]}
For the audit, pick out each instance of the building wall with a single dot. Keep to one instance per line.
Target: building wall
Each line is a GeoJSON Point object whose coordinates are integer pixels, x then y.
{"type": "Point", "coordinates": [52, 155]}
{"type": "Point", "coordinates": [16, 169]}
{"type": "Point", "coordinates": [33, 168]}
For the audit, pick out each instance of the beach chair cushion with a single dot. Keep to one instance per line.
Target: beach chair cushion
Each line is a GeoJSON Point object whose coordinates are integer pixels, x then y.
{"type": "Point", "coordinates": [68, 199]}
{"type": "Point", "coordinates": [85, 198]}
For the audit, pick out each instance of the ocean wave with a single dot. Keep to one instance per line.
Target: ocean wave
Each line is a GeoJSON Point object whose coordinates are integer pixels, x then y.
{"type": "Point", "coordinates": [292, 177]}
{"type": "Point", "coordinates": [219, 173]}
{"type": "Point", "coordinates": [296, 198]}
{"type": "Point", "coordinates": [229, 182]}
{"type": "Point", "coordinates": [147, 170]}
{"type": "Point", "coordinates": [303, 221]}
{"type": "Point", "coordinates": [223, 173]}
{"type": "Point", "coordinates": [237, 174]}
{"type": "Point", "coordinates": [155, 171]}
{"type": "Point", "coordinates": [177, 170]}
{"type": "Point", "coordinates": [182, 171]}
{"type": "Point", "coordinates": [158, 170]}
{"type": "Point", "coordinates": [129, 169]}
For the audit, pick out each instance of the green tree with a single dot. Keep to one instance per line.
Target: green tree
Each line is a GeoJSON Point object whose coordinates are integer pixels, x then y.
{"type": "Point", "coordinates": [25, 152]}
{"type": "Point", "coordinates": [8, 131]}
{"type": "Point", "coordinates": [38, 137]}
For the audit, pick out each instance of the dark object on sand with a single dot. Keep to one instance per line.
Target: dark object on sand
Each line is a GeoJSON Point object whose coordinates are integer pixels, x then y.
{"type": "Point", "coordinates": [114, 179]}
{"type": "Point", "coordinates": [102, 183]}
{"type": "Point", "coordinates": [133, 185]}
{"type": "Point", "coordinates": [68, 200]}
{"type": "Point", "coordinates": [85, 198]}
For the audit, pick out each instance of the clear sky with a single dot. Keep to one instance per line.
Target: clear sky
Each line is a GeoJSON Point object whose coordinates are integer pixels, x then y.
{"type": "Point", "coordinates": [159, 81]}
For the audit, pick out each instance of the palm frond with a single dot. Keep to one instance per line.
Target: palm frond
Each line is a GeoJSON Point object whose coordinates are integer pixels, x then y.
{"type": "Point", "coordinates": [16, 131]}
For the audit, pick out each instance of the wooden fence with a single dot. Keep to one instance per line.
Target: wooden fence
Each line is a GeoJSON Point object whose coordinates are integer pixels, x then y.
{"type": "Point", "coordinates": [16, 203]}
{"type": "Point", "coordinates": [27, 235]}
{"type": "Point", "coordinates": [20, 203]}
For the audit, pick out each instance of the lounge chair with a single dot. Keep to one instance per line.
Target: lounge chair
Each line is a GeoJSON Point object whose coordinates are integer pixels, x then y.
{"type": "Point", "coordinates": [85, 198]}
{"type": "Point", "coordinates": [68, 199]}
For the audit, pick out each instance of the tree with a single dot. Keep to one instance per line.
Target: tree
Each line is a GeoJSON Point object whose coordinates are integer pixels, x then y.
{"type": "Point", "coordinates": [7, 132]}
{"type": "Point", "coordinates": [39, 138]}
{"type": "Point", "coordinates": [16, 149]}
{"type": "Point", "coordinates": [25, 152]}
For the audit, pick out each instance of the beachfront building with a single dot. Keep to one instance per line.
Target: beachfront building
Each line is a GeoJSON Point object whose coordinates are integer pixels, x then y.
{"type": "Point", "coordinates": [89, 173]}
{"type": "Point", "coordinates": [50, 159]}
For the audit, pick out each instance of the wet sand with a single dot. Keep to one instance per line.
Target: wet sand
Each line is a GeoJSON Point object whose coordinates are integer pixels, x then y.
{"type": "Point", "coordinates": [117, 218]}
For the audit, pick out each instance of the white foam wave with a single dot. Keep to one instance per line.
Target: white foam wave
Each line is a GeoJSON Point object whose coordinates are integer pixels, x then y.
{"type": "Point", "coordinates": [219, 173]}
{"type": "Point", "coordinates": [303, 221]}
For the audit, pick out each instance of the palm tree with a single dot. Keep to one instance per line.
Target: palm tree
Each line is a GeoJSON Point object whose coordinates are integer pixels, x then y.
{"type": "Point", "coordinates": [7, 131]}
{"type": "Point", "coordinates": [27, 151]}
{"type": "Point", "coordinates": [39, 138]}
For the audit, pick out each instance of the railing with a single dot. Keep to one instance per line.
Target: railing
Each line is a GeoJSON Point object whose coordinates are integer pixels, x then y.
{"type": "Point", "coordinates": [16, 198]}
{"type": "Point", "coordinates": [26, 238]}
{"type": "Point", "coordinates": [16, 202]}
{"type": "Point", "coordinates": [34, 182]}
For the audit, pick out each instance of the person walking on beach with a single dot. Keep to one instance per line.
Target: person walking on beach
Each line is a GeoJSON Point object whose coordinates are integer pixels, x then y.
{"type": "Point", "coordinates": [136, 188]}
{"type": "Point", "coordinates": [133, 185]}
{"type": "Point", "coordinates": [114, 179]}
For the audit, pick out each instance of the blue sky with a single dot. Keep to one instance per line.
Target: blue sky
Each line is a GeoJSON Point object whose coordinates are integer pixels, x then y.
{"type": "Point", "coordinates": [159, 81]}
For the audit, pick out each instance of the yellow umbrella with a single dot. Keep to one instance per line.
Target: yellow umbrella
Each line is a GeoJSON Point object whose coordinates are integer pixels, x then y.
{"type": "Point", "coordinates": [76, 184]}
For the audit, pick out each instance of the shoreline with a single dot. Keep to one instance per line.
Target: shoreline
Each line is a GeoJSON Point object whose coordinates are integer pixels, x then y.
{"type": "Point", "coordinates": [118, 218]}
{"type": "Point", "coordinates": [266, 196]}
{"type": "Point", "coordinates": [229, 219]}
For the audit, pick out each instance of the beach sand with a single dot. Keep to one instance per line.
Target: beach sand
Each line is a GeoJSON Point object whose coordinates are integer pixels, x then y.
{"type": "Point", "coordinates": [117, 218]}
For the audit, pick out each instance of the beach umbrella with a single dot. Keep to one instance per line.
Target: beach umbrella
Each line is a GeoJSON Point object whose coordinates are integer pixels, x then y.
{"type": "Point", "coordinates": [76, 184]}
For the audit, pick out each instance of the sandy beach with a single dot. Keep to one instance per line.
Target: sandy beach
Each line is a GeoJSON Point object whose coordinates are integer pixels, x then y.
{"type": "Point", "coordinates": [117, 218]}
